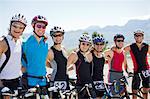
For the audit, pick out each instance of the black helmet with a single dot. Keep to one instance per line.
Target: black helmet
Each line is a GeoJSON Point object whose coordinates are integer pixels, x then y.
{"type": "Point", "coordinates": [118, 36]}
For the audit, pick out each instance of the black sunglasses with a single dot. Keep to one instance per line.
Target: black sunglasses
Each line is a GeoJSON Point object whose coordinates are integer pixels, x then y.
{"type": "Point", "coordinates": [120, 40]}
{"type": "Point", "coordinates": [59, 35]}
{"type": "Point", "coordinates": [41, 26]}
{"type": "Point", "coordinates": [138, 35]}
{"type": "Point", "coordinates": [99, 43]}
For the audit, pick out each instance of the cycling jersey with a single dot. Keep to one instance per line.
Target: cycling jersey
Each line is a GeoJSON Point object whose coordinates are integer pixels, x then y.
{"type": "Point", "coordinates": [12, 68]}
{"type": "Point", "coordinates": [116, 72]}
{"type": "Point", "coordinates": [83, 70]}
{"type": "Point", "coordinates": [139, 57]}
{"type": "Point", "coordinates": [35, 60]}
{"type": "Point", "coordinates": [61, 61]}
{"type": "Point", "coordinates": [98, 68]}
{"type": "Point", "coordinates": [117, 62]}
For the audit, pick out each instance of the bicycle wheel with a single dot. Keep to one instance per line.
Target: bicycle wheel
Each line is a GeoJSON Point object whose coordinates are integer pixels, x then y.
{"type": "Point", "coordinates": [130, 95]}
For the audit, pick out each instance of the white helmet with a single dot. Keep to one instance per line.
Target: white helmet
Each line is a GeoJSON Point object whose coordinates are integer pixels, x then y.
{"type": "Point", "coordinates": [85, 38]}
{"type": "Point", "coordinates": [139, 31]}
{"type": "Point", "coordinates": [56, 29]}
{"type": "Point", "coordinates": [19, 18]}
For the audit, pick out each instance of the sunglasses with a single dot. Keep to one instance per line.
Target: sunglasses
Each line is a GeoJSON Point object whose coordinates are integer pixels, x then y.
{"type": "Point", "coordinates": [138, 35]}
{"type": "Point", "coordinates": [99, 44]}
{"type": "Point", "coordinates": [120, 40]}
{"type": "Point", "coordinates": [15, 26]}
{"type": "Point", "coordinates": [41, 26]}
{"type": "Point", "coordinates": [87, 44]}
{"type": "Point", "coordinates": [59, 35]}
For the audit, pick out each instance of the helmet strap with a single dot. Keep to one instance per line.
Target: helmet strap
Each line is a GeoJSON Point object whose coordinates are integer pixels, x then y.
{"type": "Point", "coordinates": [83, 51]}
{"type": "Point", "coordinates": [37, 35]}
{"type": "Point", "coordinates": [11, 33]}
{"type": "Point", "coordinates": [35, 32]}
{"type": "Point", "coordinates": [56, 43]}
{"type": "Point", "coordinates": [118, 47]}
{"type": "Point", "coordinates": [97, 51]}
{"type": "Point", "coordinates": [138, 42]}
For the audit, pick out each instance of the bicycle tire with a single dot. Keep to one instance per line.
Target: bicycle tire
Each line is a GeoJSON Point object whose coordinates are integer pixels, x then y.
{"type": "Point", "coordinates": [130, 95]}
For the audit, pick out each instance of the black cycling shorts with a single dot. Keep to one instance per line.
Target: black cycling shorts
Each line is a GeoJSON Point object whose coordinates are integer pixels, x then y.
{"type": "Point", "coordinates": [136, 82]}
{"type": "Point", "coordinates": [99, 93]}
{"type": "Point", "coordinates": [12, 83]}
{"type": "Point", "coordinates": [83, 94]}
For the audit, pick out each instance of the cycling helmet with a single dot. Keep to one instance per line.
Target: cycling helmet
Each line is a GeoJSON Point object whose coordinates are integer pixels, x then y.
{"type": "Point", "coordinates": [118, 36]}
{"type": "Point", "coordinates": [39, 18]}
{"type": "Point", "coordinates": [85, 38]}
{"type": "Point", "coordinates": [97, 38]}
{"type": "Point", "coordinates": [19, 18]}
{"type": "Point", "coordinates": [56, 29]}
{"type": "Point", "coordinates": [139, 31]}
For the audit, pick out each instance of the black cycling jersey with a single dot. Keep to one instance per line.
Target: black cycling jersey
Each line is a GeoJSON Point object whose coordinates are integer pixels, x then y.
{"type": "Point", "coordinates": [98, 67]}
{"type": "Point", "coordinates": [139, 57]}
{"type": "Point", "coordinates": [83, 70]}
{"type": "Point", "coordinates": [61, 65]}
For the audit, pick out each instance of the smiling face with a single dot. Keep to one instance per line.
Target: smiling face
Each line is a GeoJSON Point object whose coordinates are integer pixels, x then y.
{"type": "Point", "coordinates": [138, 37]}
{"type": "Point", "coordinates": [119, 42]}
{"type": "Point", "coordinates": [39, 28]}
{"type": "Point", "coordinates": [58, 38]}
{"type": "Point", "coordinates": [17, 29]}
{"type": "Point", "coordinates": [84, 46]}
{"type": "Point", "coordinates": [99, 46]}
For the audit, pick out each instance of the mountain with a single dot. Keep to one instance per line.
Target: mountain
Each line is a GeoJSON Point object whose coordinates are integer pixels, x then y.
{"type": "Point", "coordinates": [71, 37]}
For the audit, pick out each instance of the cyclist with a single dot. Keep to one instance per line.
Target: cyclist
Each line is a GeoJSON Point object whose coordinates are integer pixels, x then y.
{"type": "Point", "coordinates": [98, 62]}
{"type": "Point", "coordinates": [57, 60]}
{"type": "Point", "coordinates": [116, 59]}
{"type": "Point", "coordinates": [10, 52]}
{"type": "Point", "coordinates": [34, 54]}
{"type": "Point", "coordinates": [138, 52]}
{"type": "Point", "coordinates": [82, 59]}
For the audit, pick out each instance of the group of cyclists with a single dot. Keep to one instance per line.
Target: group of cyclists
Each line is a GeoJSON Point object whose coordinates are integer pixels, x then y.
{"type": "Point", "coordinates": [30, 58]}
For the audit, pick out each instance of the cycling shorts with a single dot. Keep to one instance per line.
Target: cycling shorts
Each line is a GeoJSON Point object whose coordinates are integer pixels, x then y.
{"type": "Point", "coordinates": [12, 83]}
{"type": "Point", "coordinates": [136, 81]}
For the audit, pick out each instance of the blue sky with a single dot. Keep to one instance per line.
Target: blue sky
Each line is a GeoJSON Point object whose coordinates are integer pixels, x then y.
{"type": "Point", "coordinates": [75, 14]}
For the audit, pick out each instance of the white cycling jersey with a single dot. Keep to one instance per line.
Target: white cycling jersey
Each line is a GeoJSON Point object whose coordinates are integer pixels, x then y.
{"type": "Point", "coordinates": [12, 69]}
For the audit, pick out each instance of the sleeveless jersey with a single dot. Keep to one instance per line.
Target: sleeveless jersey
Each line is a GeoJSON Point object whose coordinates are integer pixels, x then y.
{"type": "Point", "coordinates": [98, 68]}
{"type": "Point", "coordinates": [117, 62]}
{"type": "Point", "coordinates": [12, 69]}
{"type": "Point", "coordinates": [61, 61]}
{"type": "Point", "coordinates": [139, 57]}
{"type": "Point", "coordinates": [83, 70]}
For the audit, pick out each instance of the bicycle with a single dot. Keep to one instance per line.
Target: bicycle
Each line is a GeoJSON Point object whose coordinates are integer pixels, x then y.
{"type": "Point", "coordinates": [24, 93]}
{"type": "Point", "coordinates": [87, 91]}
{"type": "Point", "coordinates": [145, 74]}
{"type": "Point", "coordinates": [117, 89]}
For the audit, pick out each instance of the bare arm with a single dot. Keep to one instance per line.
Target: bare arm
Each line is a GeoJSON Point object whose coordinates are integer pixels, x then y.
{"type": "Point", "coordinates": [125, 66]}
{"type": "Point", "coordinates": [71, 60]}
{"type": "Point", "coordinates": [108, 56]}
{"type": "Point", "coordinates": [149, 50]}
{"type": "Point", "coordinates": [50, 57]}
{"type": "Point", "coordinates": [3, 47]}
